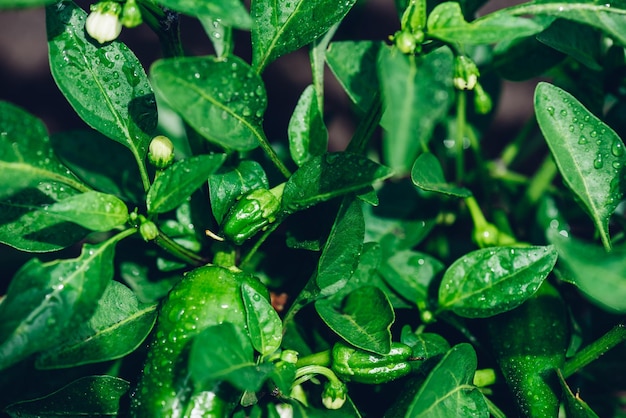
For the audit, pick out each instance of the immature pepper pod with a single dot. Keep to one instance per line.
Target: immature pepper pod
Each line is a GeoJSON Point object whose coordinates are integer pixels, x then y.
{"type": "Point", "coordinates": [252, 213]}
{"type": "Point", "coordinates": [351, 364]}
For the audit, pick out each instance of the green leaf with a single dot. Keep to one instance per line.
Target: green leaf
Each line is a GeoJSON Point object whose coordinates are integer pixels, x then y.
{"type": "Point", "coordinates": [221, 98]}
{"type": "Point", "coordinates": [280, 27]}
{"type": "Point", "coordinates": [427, 174]}
{"type": "Point", "coordinates": [26, 157]}
{"type": "Point", "coordinates": [577, 40]}
{"type": "Point", "coordinates": [446, 22]}
{"type": "Point", "coordinates": [222, 352]}
{"type": "Point", "coordinates": [101, 163]}
{"type": "Point", "coordinates": [417, 93]}
{"type": "Point", "coordinates": [92, 210]}
{"type": "Point", "coordinates": [341, 252]}
{"type": "Point", "coordinates": [105, 394]}
{"type": "Point", "coordinates": [264, 324]}
{"type": "Point", "coordinates": [229, 12]}
{"type": "Point", "coordinates": [228, 184]}
{"type": "Point", "coordinates": [26, 225]}
{"type": "Point", "coordinates": [448, 387]}
{"type": "Point", "coordinates": [45, 300]}
{"type": "Point", "coordinates": [353, 64]}
{"type": "Point", "coordinates": [177, 182]}
{"type": "Point", "coordinates": [118, 326]}
{"type": "Point", "coordinates": [363, 319]}
{"type": "Point", "coordinates": [308, 136]}
{"type": "Point", "coordinates": [425, 345]}
{"type": "Point", "coordinates": [575, 407]}
{"type": "Point", "coordinates": [410, 274]}
{"type": "Point", "coordinates": [589, 154]}
{"type": "Point", "coordinates": [106, 85]}
{"type": "Point", "coordinates": [490, 281]}
{"type": "Point", "coordinates": [330, 175]}
{"type": "Point", "coordinates": [599, 274]}
{"type": "Point", "coordinates": [610, 20]}
{"type": "Point", "coordinates": [14, 4]}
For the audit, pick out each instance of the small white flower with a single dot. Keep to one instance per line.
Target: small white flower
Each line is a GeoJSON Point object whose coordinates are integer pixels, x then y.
{"type": "Point", "coordinates": [103, 26]}
{"type": "Point", "coordinates": [161, 151]}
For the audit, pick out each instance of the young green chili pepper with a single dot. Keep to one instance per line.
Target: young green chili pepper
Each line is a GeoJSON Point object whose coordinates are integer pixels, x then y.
{"type": "Point", "coordinates": [351, 364]}
{"type": "Point", "coordinates": [205, 297]}
{"type": "Point", "coordinates": [529, 344]}
{"type": "Point", "coordinates": [252, 213]}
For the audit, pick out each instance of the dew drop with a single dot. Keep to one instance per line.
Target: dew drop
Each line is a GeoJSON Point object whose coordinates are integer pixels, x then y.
{"type": "Point", "coordinates": [617, 148]}
{"type": "Point", "coordinates": [582, 140]}
{"type": "Point", "coordinates": [563, 112]}
{"type": "Point", "coordinates": [571, 128]}
{"type": "Point", "coordinates": [598, 163]}
{"type": "Point", "coordinates": [550, 110]}
{"type": "Point", "coordinates": [594, 134]}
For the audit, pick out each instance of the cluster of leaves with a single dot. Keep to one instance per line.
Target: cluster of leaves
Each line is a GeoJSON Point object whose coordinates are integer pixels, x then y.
{"type": "Point", "coordinates": [370, 246]}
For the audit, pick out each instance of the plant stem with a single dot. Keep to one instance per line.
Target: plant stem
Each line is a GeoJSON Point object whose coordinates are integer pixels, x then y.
{"type": "Point", "coordinates": [593, 351]}
{"type": "Point", "coordinates": [541, 180]}
{"type": "Point", "coordinates": [177, 250]}
{"type": "Point", "coordinates": [321, 358]}
{"type": "Point", "coordinates": [493, 409]}
{"type": "Point", "coordinates": [461, 99]}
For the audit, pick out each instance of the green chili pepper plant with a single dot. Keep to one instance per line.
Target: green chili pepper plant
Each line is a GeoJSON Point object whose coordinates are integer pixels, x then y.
{"type": "Point", "coordinates": [176, 257]}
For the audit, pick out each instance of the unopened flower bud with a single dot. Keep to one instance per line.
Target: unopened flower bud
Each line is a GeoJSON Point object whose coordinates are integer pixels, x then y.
{"type": "Point", "coordinates": [148, 231]}
{"type": "Point", "coordinates": [131, 15]}
{"type": "Point", "coordinates": [334, 394]}
{"type": "Point", "coordinates": [103, 23]}
{"type": "Point", "coordinates": [465, 73]}
{"type": "Point", "coordinates": [161, 152]}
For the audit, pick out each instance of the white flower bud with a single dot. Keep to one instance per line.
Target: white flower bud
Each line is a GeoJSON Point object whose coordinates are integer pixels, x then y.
{"type": "Point", "coordinates": [161, 152]}
{"type": "Point", "coordinates": [103, 23]}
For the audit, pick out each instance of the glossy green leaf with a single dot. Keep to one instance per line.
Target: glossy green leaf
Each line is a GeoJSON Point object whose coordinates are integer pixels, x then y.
{"type": "Point", "coordinates": [280, 27]}
{"type": "Point", "coordinates": [610, 20]}
{"type": "Point", "coordinates": [101, 163]}
{"type": "Point", "coordinates": [427, 174]}
{"type": "Point", "coordinates": [105, 84]}
{"type": "Point", "coordinates": [363, 319]}
{"type": "Point", "coordinates": [45, 300]}
{"type": "Point", "coordinates": [449, 387]}
{"type": "Point", "coordinates": [230, 12]}
{"type": "Point", "coordinates": [223, 352]}
{"type": "Point", "coordinates": [427, 346]}
{"type": "Point", "coordinates": [14, 4]}
{"type": "Point", "coordinates": [410, 274]}
{"type": "Point", "coordinates": [26, 157]}
{"type": "Point", "coordinates": [26, 225]}
{"type": "Point", "coordinates": [220, 34]}
{"type": "Point", "coordinates": [264, 324]}
{"type": "Point", "coordinates": [308, 136]}
{"type": "Point", "coordinates": [490, 281]}
{"type": "Point", "coordinates": [105, 394]}
{"type": "Point", "coordinates": [341, 252]}
{"type": "Point", "coordinates": [417, 93]}
{"type": "Point", "coordinates": [446, 22]}
{"type": "Point", "coordinates": [589, 154]}
{"type": "Point", "coordinates": [599, 274]}
{"type": "Point", "coordinates": [330, 175]}
{"type": "Point", "coordinates": [577, 40]}
{"type": "Point", "coordinates": [118, 326]}
{"type": "Point", "coordinates": [227, 184]}
{"type": "Point", "coordinates": [353, 64]}
{"type": "Point", "coordinates": [177, 182]}
{"type": "Point", "coordinates": [221, 98]}
{"type": "Point", "coordinates": [92, 210]}
{"type": "Point", "coordinates": [574, 406]}
{"type": "Point", "coordinates": [524, 58]}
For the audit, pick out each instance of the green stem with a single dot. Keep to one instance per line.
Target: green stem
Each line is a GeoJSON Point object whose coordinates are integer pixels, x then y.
{"type": "Point", "coordinates": [321, 358]}
{"type": "Point", "coordinates": [493, 409]}
{"type": "Point", "coordinates": [460, 135]}
{"type": "Point", "coordinates": [245, 260]}
{"type": "Point", "coordinates": [177, 250]}
{"type": "Point", "coordinates": [542, 180]}
{"type": "Point", "coordinates": [593, 351]}
{"type": "Point", "coordinates": [307, 372]}
{"type": "Point", "coordinates": [317, 56]}
{"type": "Point", "coordinates": [271, 154]}
{"type": "Point", "coordinates": [511, 151]}
{"type": "Point", "coordinates": [476, 213]}
{"type": "Point", "coordinates": [166, 25]}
